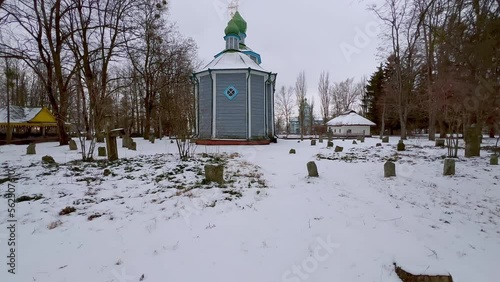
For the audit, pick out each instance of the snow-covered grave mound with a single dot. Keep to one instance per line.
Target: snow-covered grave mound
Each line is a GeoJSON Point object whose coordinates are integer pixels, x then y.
{"type": "Point", "coordinates": [151, 217]}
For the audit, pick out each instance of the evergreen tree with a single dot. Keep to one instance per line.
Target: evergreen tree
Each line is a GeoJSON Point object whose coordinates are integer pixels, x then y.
{"type": "Point", "coordinates": [374, 92]}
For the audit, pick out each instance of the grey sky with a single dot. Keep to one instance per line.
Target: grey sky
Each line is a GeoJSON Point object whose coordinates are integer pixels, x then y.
{"type": "Point", "coordinates": [337, 36]}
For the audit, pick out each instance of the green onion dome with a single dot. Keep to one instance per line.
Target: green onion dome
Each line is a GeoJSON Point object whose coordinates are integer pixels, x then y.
{"type": "Point", "coordinates": [240, 22]}
{"type": "Point", "coordinates": [232, 28]}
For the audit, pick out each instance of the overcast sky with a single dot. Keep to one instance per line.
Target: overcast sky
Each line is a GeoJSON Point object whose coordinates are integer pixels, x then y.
{"type": "Point", "coordinates": [339, 36]}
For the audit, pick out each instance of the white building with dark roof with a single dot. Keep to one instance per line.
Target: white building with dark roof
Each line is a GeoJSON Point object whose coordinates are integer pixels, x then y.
{"type": "Point", "coordinates": [350, 124]}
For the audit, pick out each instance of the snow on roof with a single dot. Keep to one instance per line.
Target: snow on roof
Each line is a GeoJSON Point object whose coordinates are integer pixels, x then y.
{"type": "Point", "coordinates": [232, 60]}
{"type": "Point", "coordinates": [350, 118]}
{"type": "Point", "coordinates": [18, 114]}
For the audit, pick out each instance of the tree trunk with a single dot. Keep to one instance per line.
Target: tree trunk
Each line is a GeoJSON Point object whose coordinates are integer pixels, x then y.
{"type": "Point", "coordinates": [382, 127]}
{"type": "Point", "coordinates": [402, 121]}
{"type": "Point", "coordinates": [473, 141]}
{"type": "Point", "coordinates": [61, 130]}
{"type": "Point", "coordinates": [432, 123]}
{"type": "Point", "coordinates": [148, 103]}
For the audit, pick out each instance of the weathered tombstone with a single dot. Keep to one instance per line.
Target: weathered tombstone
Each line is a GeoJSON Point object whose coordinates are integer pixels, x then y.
{"type": "Point", "coordinates": [339, 149]}
{"type": "Point", "coordinates": [449, 167]}
{"type": "Point", "coordinates": [362, 139]}
{"type": "Point", "coordinates": [385, 139]}
{"type": "Point", "coordinates": [48, 160]}
{"type": "Point", "coordinates": [125, 141]}
{"type": "Point", "coordinates": [321, 139]}
{"type": "Point", "coordinates": [312, 169]}
{"type": "Point", "coordinates": [389, 169]}
{"type": "Point", "coordinates": [129, 142]}
{"type": "Point", "coordinates": [329, 144]}
{"type": "Point", "coordinates": [133, 146]}
{"type": "Point", "coordinates": [292, 151]}
{"type": "Point", "coordinates": [472, 141]}
{"type": "Point", "coordinates": [494, 159]}
{"type": "Point", "coordinates": [111, 144]}
{"type": "Point", "coordinates": [214, 173]}
{"type": "Point", "coordinates": [354, 142]}
{"type": "Point", "coordinates": [313, 142]}
{"type": "Point", "coordinates": [72, 145]}
{"type": "Point", "coordinates": [401, 146]}
{"type": "Point", "coordinates": [440, 142]}
{"type": "Point", "coordinates": [101, 151]}
{"type": "Point", "coordinates": [31, 150]}
{"type": "Point", "coordinates": [378, 145]}
{"type": "Point", "coordinates": [152, 138]}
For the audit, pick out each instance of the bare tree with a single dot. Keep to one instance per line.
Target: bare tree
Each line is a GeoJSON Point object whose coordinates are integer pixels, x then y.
{"type": "Point", "coordinates": [99, 36]}
{"type": "Point", "coordinates": [325, 95]}
{"type": "Point", "coordinates": [300, 94]}
{"type": "Point", "coordinates": [346, 95]}
{"type": "Point", "coordinates": [310, 117]}
{"type": "Point", "coordinates": [285, 104]}
{"type": "Point", "coordinates": [36, 34]}
{"type": "Point", "coordinates": [145, 51]}
{"type": "Point", "coordinates": [404, 19]}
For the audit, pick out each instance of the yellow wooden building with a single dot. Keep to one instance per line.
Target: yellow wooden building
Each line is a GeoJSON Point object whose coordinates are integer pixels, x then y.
{"type": "Point", "coordinates": [27, 122]}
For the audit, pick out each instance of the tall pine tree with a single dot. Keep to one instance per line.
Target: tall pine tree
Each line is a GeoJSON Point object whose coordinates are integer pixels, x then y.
{"type": "Point", "coordinates": [373, 93]}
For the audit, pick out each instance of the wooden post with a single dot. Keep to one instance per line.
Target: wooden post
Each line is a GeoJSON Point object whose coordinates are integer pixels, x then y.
{"type": "Point", "coordinates": [112, 148]}
{"type": "Point", "coordinates": [111, 145]}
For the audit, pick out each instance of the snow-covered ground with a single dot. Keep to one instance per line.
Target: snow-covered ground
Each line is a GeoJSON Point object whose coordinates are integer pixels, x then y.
{"type": "Point", "coordinates": [150, 217]}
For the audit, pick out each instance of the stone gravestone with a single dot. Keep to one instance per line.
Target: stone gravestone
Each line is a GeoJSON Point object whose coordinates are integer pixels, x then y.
{"type": "Point", "coordinates": [313, 142]}
{"type": "Point", "coordinates": [125, 141]}
{"type": "Point", "coordinates": [321, 139]}
{"type": "Point", "coordinates": [494, 160]}
{"type": "Point", "coordinates": [449, 167]}
{"type": "Point", "coordinates": [72, 145]}
{"type": "Point", "coordinates": [329, 144]}
{"type": "Point", "coordinates": [440, 142]}
{"type": "Point", "coordinates": [312, 169]}
{"type": "Point", "coordinates": [362, 139]}
{"type": "Point", "coordinates": [385, 139]}
{"type": "Point", "coordinates": [292, 151]}
{"type": "Point", "coordinates": [389, 169]}
{"type": "Point", "coordinates": [31, 150]}
{"type": "Point", "coordinates": [111, 144]}
{"type": "Point", "coordinates": [133, 146]}
{"type": "Point", "coordinates": [401, 146]}
{"type": "Point", "coordinates": [354, 142]}
{"type": "Point", "coordinates": [101, 151]}
{"type": "Point", "coordinates": [214, 173]}
{"type": "Point", "coordinates": [339, 149]}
